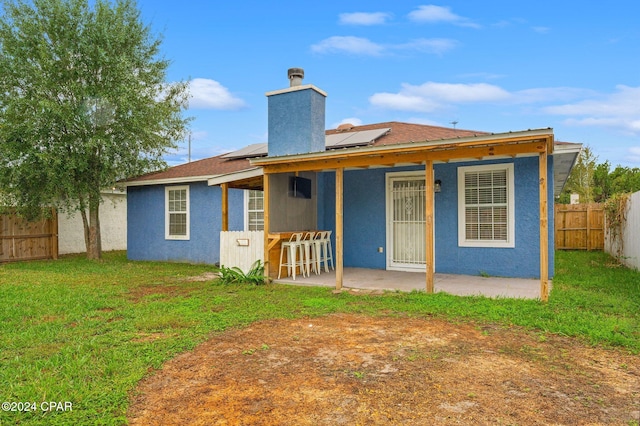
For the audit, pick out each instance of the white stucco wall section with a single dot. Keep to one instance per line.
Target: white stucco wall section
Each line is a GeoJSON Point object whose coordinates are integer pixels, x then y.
{"type": "Point", "coordinates": [630, 241]}
{"type": "Point", "coordinates": [113, 226]}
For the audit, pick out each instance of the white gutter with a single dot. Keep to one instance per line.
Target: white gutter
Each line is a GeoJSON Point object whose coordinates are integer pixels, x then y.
{"type": "Point", "coordinates": [167, 181]}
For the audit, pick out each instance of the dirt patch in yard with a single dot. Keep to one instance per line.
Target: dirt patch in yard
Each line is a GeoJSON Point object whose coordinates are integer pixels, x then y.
{"type": "Point", "coordinates": [206, 276]}
{"type": "Point", "coordinates": [357, 370]}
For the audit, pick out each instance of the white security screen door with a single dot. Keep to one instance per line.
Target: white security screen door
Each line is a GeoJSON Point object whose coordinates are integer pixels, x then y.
{"type": "Point", "coordinates": [406, 221]}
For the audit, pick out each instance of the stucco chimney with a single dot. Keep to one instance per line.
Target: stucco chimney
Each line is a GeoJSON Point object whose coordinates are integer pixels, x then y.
{"type": "Point", "coordinates": [296, 117]}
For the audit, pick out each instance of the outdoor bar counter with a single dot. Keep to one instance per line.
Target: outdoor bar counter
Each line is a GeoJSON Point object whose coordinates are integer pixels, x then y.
{"type": "Point", "coordinates": [274, 243]}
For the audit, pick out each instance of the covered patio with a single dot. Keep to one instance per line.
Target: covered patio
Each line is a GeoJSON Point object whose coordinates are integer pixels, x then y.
{"type": "Point", "coordinates": [538, 143]}
{"type": "Point", "coordinates": [272, 173]}
{"type": "Point", "coordinates": [459, 285]}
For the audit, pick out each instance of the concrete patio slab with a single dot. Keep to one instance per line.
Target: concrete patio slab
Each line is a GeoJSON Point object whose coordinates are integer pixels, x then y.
{"type": "Point", "coordinates": [459, 285]}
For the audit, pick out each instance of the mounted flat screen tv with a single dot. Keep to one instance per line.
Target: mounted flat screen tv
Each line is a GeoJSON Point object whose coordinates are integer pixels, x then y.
{"type": "Point", "coordinates": [300, 187]}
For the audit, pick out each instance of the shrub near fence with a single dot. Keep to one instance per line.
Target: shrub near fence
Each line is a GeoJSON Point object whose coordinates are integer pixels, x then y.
{"type": "Point", "coordinates": [579, 226]}
{"type": "Point", "coordinates": [28, 240]}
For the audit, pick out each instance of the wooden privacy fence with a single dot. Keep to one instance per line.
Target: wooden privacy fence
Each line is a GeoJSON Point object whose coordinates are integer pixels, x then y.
{"type": "Point", "coordinates": [579, 227]}
{"type": "Point", "coordinates": [24, 240]}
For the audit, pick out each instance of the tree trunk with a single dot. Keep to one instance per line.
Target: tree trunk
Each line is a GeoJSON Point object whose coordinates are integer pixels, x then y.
{"type": "Point", "coordinates": [85, 225]}
{"type": "Point", "coordinates": [92, 230]}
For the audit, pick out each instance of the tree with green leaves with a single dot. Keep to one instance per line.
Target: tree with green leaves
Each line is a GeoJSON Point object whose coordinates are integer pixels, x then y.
{"type": "Point", "coordinates": [625, 180]}
{"type": "Point", "coordinates": [596, 182]}
{"type": "Point", "coordinates": [580, 180]}
{"type": "Point", "coordinates": [83, 104]}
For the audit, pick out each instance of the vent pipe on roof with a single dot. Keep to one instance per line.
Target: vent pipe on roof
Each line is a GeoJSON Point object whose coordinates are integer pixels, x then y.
{"type": "Point", "coordinates": [295, 76]}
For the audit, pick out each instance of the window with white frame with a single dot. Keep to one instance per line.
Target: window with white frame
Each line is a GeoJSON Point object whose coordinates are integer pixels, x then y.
{"type": "Point", "coordinates": [486, 215]}
{"type": "Point", "coordinates": [177, 212]}
{"type": "Point", "coordinates": [254, 217]}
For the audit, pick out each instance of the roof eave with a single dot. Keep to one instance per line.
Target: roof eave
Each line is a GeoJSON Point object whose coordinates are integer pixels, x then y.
{"type": "Point", "coordinates": [167, 181]}
{"type": "Point", "coordinates": [540, 133]}
{"type": "Point", "coordinates": [235, 176]}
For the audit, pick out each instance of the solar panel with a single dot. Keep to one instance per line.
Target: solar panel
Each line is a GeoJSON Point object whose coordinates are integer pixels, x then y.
{"type": "Point", "coordinates": [338, 140]}
{"type": "Point", "coordinates": [333, 140]}
{"type": "Point", "coordinates": [254, 150]}
{"type": "Point", "coordinates": [347, 139]}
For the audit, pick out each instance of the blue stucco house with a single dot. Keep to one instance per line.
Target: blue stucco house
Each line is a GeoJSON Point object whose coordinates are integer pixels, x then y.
{"type": "Point", "coordinates": [396, 196]}
{"type": "Point", "coordinates": [174, 215]}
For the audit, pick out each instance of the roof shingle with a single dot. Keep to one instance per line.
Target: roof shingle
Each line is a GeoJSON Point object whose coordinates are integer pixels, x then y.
{"type": "Point", "coordinates": [399, 133]}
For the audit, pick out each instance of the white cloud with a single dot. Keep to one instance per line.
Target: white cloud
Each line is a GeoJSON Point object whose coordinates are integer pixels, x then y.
{"type": "Point", "coordinates": [403, 102]}
{"type": "Point", "coordinates": [623, 102]}
{"type": "Point", "coordinates": [348, 44]}
{"type": "Point", "coordinates": [619, 110]}
{"type": "Point", "coordinates": [550, 94]}
{"type": "Point", "coordinates": [366, 47]}
{"type": "Point", "coordinates": [433, 14]}
{"type": "Point", "coordinates": [209, 94]}
{"type": "Point", "coordinates": [431, 96]}
{"type": "Point", "coordinates": [458, 93]}
{"type": "Point", "coordinates": [621, 124]}
{"type": "Point", "coordinates": [363, 18]}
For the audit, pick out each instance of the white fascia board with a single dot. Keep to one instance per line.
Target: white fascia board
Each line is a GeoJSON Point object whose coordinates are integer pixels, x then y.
{"type": "Point", "coordinates": [567, 148]}
{"type": "Point", "coordinates": [235, 176]}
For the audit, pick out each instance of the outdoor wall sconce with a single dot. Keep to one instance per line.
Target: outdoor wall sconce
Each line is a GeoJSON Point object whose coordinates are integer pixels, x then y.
{"type": "Point", "coordinates": [436, 185]}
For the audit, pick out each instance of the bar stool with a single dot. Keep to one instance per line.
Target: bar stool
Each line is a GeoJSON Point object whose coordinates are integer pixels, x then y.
{"type": "Point", "coordinates": [326, 251]}
{"type": "Point", "coordinates": [316, 248]}
{"type": "Point", "coordinates": [295, 255]}
{"type": "Point", "coordinates": [309, 252]}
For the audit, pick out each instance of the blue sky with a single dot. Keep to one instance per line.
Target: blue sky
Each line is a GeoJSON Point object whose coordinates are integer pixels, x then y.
{"type": "Point", "coordinates": [493, 66]}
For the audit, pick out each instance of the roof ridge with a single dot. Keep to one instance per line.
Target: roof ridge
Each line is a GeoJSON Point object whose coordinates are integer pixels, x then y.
{"type": "Point", "coordinates": [404, 123]}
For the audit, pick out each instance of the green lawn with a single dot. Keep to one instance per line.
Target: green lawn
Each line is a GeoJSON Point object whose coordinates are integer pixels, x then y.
{"type": "Point", "coordinates": [86, 332]}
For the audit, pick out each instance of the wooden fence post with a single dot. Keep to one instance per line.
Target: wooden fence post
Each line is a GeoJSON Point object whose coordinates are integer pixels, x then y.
{"type": "Point", "coordinates": [54, 233]}
{"type": "Point", "coordinates": [588, 221]}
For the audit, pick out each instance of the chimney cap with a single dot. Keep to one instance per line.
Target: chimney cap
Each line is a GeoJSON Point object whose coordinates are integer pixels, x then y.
{"type": "Point", "coordinates": [295, 72]}
{"type": "Point", "coordinates": [295, 76]}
